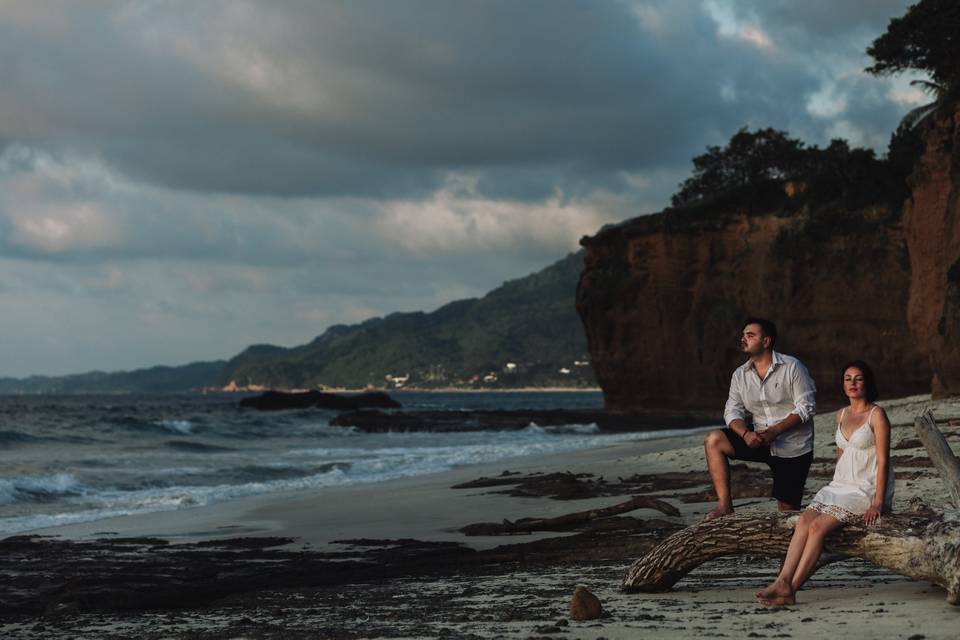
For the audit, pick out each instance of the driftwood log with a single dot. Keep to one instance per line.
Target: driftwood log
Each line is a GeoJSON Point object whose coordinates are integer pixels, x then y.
{"type": "Point", "coordinates": [924, 545]}
{"type": "Point", "coordinates": [940, 454]}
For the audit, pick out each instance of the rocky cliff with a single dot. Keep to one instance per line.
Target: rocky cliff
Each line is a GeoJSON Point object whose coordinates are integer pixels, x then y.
{"type": "Point", "coordinates": [662, 296]}
{"type": "Point", "coordinates": [932, 223]}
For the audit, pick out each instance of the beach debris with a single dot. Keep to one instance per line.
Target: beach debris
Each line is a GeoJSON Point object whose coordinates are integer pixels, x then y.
{"type": "Point", "coordinates": [923, 545]}
{"type": "Point", "coordinates": [584, 605]}
{"type": "Point", "coordinates": [575, 486]}
{"type": "Point", "coordinates": [568, 521]}
{"type": "Point", "coordinates": [558, 486]}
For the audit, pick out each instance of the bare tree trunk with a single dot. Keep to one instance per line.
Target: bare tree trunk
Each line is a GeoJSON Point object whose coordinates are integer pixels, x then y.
{"type": "Point", "coordinates": [923, 545]}
{"type": "Point", "coordinates": [941, 455]}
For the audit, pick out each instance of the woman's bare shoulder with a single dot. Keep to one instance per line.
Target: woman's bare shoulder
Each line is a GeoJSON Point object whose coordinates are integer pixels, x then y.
{"type": "Point", "coordinates": [879, 416]}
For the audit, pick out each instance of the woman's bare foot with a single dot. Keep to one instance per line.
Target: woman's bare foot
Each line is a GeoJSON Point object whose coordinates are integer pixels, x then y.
{"type": "Point", "coordinates": [779, 601]}
{"type": "Point", "coordinates": [718, 512]}
{"type": "Point", "coordinates": [779, 587]}
{"type": "Point", "coordinates": [778, 593]}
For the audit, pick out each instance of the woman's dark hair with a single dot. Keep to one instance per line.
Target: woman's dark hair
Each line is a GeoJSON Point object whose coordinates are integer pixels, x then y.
{"type": "Point", "coordinates": [869, 381]}
{"type": "Point", "coordinates": [769, 329]}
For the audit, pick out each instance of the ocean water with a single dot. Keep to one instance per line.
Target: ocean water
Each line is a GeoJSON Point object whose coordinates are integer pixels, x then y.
{"type": "Point", "coordinates": [68, 459]}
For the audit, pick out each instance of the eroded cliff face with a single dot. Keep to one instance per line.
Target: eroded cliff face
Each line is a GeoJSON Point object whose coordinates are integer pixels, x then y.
{"type": "Point", "coordinates": [662, 298]}
{"type": "Point", "coordinates": [932, 223]}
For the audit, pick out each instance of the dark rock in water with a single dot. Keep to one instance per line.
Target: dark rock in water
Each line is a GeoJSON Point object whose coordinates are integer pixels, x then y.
{"type": "Point", "coordinates": [278, 400]}
{"type": "Point", "coordinates": [584, 605]}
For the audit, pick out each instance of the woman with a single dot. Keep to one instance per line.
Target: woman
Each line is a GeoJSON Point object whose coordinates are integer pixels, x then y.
{"type": "Point", "coordinates": [862, 486]}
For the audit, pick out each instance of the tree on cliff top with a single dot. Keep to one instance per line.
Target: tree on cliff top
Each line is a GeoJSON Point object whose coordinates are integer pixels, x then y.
{"type": "Point", "coordinates": [926, 38]}
{"type": "Point", "coordinates": [848, 177]}
{"type": "Point", "coordinates": [748, 159]}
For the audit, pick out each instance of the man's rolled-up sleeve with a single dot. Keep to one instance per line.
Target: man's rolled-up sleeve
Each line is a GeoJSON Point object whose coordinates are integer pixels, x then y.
{"type": "Point", "coordinates": [734, 409]}
{"type": "Point", "coordinates": [804, 393]}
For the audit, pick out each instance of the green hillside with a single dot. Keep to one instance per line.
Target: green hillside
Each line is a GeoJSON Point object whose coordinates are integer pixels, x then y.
{"type": "Point", "coordinates": [529, 322]}
{"type": "Point", "coordinates": [152, 380]}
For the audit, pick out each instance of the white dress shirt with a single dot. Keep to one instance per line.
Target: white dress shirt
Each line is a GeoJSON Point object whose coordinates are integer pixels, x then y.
{"type": "Point", "coordinates": [788, 388]}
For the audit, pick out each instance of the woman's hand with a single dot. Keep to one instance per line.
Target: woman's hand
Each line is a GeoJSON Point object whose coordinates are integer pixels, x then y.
{"type": "Point", "coordinates": [872, 516]}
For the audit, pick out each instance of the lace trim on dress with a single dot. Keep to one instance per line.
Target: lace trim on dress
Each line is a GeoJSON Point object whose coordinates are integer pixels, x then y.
{"type": "Point", "coordinates": [838, 512]}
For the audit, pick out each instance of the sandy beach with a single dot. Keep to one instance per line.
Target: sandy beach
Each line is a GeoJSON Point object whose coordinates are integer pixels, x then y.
{"type": "Point", "coordinates": [418, 576]}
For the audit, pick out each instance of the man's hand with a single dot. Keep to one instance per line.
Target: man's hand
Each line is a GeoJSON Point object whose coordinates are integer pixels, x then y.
{"type": "Point", "coordinates": [768, 436]}
{"type": "Point", "coordinates": [753, 439]}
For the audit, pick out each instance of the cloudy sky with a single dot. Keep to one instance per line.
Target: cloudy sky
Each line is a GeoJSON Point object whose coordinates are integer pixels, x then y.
{"type": "Point", "coordinates": [181, 179]}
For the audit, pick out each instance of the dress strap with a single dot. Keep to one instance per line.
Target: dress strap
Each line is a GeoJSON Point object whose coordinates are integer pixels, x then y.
{"type": "Point", "coordinates": [870, 415]}
{"type": "Point", "coordinates": [840, 421]}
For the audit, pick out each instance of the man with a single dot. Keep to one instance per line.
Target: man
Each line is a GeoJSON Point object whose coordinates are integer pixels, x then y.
{"type": "Point", "coordinates": [777, 391]}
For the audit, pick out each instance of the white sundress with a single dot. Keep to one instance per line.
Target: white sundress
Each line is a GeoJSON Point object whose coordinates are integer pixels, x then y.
{"type": "Point", "coordinates": [854, 484]}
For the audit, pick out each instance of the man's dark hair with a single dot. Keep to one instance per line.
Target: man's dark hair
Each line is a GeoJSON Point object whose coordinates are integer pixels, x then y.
{"type": "Point", "coordinates": [869, 381]}
{"type": "Point", "coordinates": [769, 329]}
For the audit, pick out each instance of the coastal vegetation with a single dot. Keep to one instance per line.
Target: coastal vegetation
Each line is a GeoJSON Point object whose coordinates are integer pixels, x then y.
{"type": "Point", "coordinates": [925, 39]}
{"type": "Point", "coordinates": [838, 174]}
{"type": "Point", "coordinates": [525, 333]}
{"type": "Point", "coordinates": [838, 189]}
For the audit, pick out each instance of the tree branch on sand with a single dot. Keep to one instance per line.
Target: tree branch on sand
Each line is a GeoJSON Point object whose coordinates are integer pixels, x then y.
{"type": "Point", "coordinates": [567, 521]}
{"type": "Point", "coordinates": [924, 545]}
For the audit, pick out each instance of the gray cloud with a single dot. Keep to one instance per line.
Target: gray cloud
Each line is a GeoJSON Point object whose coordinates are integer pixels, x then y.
{"type": "Point", "coordinates": [181, 179]}
{"type": "Point", "coordinates": [380, 98]}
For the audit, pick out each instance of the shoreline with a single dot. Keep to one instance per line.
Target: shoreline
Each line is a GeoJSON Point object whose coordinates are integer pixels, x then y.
{"type": "Point", "coordinates": [289, 513]}
{"type": "Point", "coordinates": [390, 559]}
{"type": "Point", "coordinates": [391, 390]}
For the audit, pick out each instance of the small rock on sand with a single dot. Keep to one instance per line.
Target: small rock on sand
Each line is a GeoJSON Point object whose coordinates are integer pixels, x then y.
{"type": "Point", "coordinates": [584, 605]}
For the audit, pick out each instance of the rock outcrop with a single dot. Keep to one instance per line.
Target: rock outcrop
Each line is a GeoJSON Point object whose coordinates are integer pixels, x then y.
{"type": "Point", "coordinates": [662, 296]}
{"type": "Point", "coordinates": [932, 224]}
{"type": "Point", "coordinates": [280, 400]}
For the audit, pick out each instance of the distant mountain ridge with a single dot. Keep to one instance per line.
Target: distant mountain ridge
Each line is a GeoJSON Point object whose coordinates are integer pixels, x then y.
{"type": "Point", "coordinates": [525, 333]}
{"type": "Point", "coordinates": [158, 379]}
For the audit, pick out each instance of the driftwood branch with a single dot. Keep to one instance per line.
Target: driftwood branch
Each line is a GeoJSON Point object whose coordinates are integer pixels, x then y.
{"type": "Point", "coordinates": [528, 525]}
{"type": "Point", "coordinates": [942, 457]}
{"type": "Point", "coordinates": [917, 546]}
{"type": "Point", "coordinates": [923, 546]}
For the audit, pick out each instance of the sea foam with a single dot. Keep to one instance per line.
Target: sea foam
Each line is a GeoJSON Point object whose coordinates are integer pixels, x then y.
{"type": "Point", "coordinates": [38, 488]}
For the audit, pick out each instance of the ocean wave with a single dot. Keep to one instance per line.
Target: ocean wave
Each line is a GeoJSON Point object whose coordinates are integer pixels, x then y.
{"type": "Point", "coordinates": [563, 429]}
{"type": "Point", "coordinates": [15, 437]}
{"type": "Point", "coordinates": [187, 446]}
{"type": "Point", "coordinates": [164, 482]}
{"type": "Point", "coordinates": [176, 426]}
{"type": "Point", "coordinates": [107, 504]}
{"type": "Point", "coordinates": [19, 437]}
{"type": "Point", "coordinates": [39, 488]}
{"type": "Point", "coordinates": [264, 473]}
{"type": "Point", "coordinates": [423, 453]}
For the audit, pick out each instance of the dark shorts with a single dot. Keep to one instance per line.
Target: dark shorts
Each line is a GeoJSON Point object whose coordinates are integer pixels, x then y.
{"type": "Point", "coordinates": [789, 474]}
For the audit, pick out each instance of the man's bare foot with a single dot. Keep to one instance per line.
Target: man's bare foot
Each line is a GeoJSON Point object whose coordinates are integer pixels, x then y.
{"type": "Point", "coordinates": [779, 587]}
{"type": "Point", "coordinates": [718, 512]}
